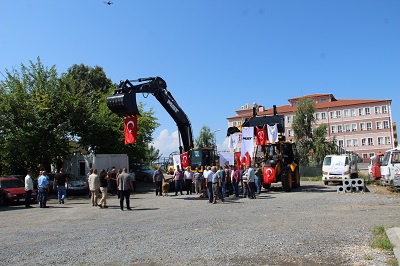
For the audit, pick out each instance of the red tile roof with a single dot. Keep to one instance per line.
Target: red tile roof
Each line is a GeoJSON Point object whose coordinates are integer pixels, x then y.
{"type": "Point", "coordinates": [324, 105]}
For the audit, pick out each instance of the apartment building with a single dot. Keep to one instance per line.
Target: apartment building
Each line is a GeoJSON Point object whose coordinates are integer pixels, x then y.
{"type": "Point", "coordinates": [364, 127]}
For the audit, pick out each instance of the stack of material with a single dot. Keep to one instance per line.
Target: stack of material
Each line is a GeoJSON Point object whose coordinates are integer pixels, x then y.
{"type": "Point", "coordinates": [352, 185]}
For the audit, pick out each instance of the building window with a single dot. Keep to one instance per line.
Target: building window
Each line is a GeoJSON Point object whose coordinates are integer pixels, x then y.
{"type": "Point", "coordinates": [363, 142]}
{"type": "Point", "coordinates": [339, 128]}
{"type": "Point", "coordinates": [377, 110]}
{"type": "Point", "coordinates": [380, 140]}
{"type": "Point", "coordinates": [234, 123]}
{"type": "Point", "coordinates": [362, 126]}
{"type": "Point", "coordinates": [289, 132]}
{"type": "Point", "coordinates": [323, 116]}
{"type": "Point", "coordinates": [365, 156]}
{"type": "Point", "coordinates": [384, 109]}
{"type": "Point", "coordinates": [333, 129]}
{"type": "Point", "coordinates": [347, 127]}
{"type": "Point", "coordinates": [360, 112]}
{"type": "Point", "coordinates": [355, 142]}
{"type": "Point", "coordinates": [289, 119]}
{"type": "Point", "coordinates": [338, 114]}
{"type": "Point", "coordinates": [353, 127]}
{"type": "Point", "coordinates": [348, 142]}
{"type": "Point", "coordinates": [340, 143]}
{"type": "Point", "coordinates": [387, 140]}
{"type": "Point", "coordinates": [353, 112]}
{"type": "Point", "coordinates": [385, 124]}
{"type": "Point", "coordinates": [332, 115]}
{"type": "Point", "coordinates": [369, 126]}
{"type": "Point", "coordinates": [367, 111]}
{"type": "Point", "coordinates": [316, 116]}
{"type": "Point", "coordinates": [379, 125]}
{"type": "Point", "coordinates": [371, 154]}
{"type": "Point", "coordinates": [346, 113]}
{"type": "Point", "coordinates": [370, 142]}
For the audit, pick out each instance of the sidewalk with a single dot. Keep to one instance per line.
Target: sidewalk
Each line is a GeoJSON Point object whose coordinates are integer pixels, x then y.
{"type": "Point", "coordinates": [394, 237]}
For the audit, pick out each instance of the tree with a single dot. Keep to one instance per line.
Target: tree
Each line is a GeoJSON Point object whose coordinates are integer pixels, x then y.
{"type": "Point", "coordinates": [322, 147]}
{"type": "Point", "coordinates": [302, 126]}
{"type": "Point", "coordinates": [205, 139]}
{"type": "Point", "coordinates": [33, 119]}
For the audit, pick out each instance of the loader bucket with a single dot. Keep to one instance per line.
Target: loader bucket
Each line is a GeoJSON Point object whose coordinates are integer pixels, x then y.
{"type": "Point", "coordinates": [123, 104]}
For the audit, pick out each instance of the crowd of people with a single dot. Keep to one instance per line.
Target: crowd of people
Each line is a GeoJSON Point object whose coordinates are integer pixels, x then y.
{"type": "Point", "coordinates": [214, 183]}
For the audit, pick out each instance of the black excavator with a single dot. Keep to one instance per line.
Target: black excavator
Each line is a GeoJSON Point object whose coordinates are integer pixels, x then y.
{"type": "Point", "coordinates": [123, 103]}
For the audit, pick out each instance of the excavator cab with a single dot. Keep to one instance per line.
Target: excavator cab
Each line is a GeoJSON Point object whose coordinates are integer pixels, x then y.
{"type": "Point", "coordinates": [201, 158]}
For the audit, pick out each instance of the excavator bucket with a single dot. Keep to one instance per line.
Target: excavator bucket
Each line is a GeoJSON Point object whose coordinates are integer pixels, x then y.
{"type": "Point", "coordinates": [123, 104]}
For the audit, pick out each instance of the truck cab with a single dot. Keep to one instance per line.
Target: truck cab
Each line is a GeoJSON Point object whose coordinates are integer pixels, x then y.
{"type": "Point", "coordinates": [390, 165]}
{"type": "Point", "coordinates": [337, 168]}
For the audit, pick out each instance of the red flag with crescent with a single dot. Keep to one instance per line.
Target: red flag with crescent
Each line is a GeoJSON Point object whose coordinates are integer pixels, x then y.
{"type": "Point", "coordinates": [268, 175]}
{"type": "Point", "coordinates": [185, 160]}
{"type": "Point", "coordinates": [261, 136]}
{"type": "Point", "coordinates": [130, 129]}
{"type": "Point", "coordinates": [237, 157]}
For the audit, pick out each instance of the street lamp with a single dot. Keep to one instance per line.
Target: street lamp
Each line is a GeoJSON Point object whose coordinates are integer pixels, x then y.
{"type": "Point", "coordinates": [215, 138]}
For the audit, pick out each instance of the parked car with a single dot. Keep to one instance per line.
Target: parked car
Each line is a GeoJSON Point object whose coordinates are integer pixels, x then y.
{"type": "Point", "coordinates": [13, 190]}
{"type": "Point", "coordinates": [143, 172]}
{"type": "Point", "coordinates": [75, 185]}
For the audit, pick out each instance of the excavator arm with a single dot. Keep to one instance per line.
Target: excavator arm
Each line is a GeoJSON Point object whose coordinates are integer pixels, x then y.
{"type": "Point", "coordinates": [123, 103]}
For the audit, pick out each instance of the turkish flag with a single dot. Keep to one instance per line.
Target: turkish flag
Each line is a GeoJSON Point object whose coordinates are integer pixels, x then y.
{"type": "Point", "coordinates": [268, 175]}
{"type": "Point", "coordinates": [185, 160]}
{"type": "Point", "coordinates": [261, 137]}
{"type": "Point", "coordinates": [130, 129]}
{"type": "Point", "coordinates": [237, 157]}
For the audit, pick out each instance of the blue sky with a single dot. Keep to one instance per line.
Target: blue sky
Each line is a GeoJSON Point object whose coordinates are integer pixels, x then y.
{"type": "Point", "coordinates": [216, 55]}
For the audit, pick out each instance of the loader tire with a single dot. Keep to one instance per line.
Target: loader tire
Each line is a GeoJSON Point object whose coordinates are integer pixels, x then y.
{"type": "Point", "coordinates": [287, 180]}
{"type": "Point", "coordinates": [296, 178]}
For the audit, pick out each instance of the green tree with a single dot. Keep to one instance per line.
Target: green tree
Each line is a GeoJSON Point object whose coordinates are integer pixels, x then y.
{"type": "Point", "coordinates": [205, 139]}
{"type": "Point", "coordinates": [322, 147]}
{"type": "Point", "coordinates": [303, 122]}
{"type": "Point", "coordinates": [33, 119]}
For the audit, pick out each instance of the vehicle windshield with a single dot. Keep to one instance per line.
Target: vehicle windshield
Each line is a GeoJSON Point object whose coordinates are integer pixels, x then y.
{"type": "Point", "coordinates": [386, 157]}
{"type": "Point", "coordinates": [14, 183]}
{"type": "Point", "coordinates": [145, 167]}
{"type": "Point", "coordinates": [327, 161]}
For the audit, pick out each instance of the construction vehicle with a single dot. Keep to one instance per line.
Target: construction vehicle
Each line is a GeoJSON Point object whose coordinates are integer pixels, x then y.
{"type": "Point", "coordinates": [123, 103]}
{"type": "Point", "coordinates": [280, 159]}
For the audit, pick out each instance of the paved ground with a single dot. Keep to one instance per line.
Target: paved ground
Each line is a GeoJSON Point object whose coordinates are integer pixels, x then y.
{"type": "Point", "coordinates": [312, 225]}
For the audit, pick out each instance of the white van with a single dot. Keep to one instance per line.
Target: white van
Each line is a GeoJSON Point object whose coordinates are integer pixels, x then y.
{"type": "Point", "coordinates": [336, 168]}
{"type": "Point", "coordinates": [390, 165]}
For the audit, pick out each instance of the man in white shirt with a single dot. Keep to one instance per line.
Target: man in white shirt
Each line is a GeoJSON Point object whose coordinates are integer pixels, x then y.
{"type": "Point", "coordinates": [28, 188]}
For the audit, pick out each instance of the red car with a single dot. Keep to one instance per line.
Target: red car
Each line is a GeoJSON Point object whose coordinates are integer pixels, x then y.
{"type": "Point", "coordinates": [12, 190]}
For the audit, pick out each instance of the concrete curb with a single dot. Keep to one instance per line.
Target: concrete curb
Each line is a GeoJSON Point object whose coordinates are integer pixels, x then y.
{"type": "Point", "coordinates": [394, 237]}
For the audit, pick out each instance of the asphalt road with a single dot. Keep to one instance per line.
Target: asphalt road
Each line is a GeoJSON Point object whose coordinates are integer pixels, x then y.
{"type": "Point", "coordinates": [312, 225]}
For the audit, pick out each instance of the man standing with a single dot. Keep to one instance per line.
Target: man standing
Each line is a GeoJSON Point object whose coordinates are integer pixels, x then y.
{"type": "Point", "coordinates": [178, 176]}
{"type": "Point", "coordinates": [257, 180]}
{"type": "Point", "coordinates": [208, 181]}
{"type": "Point", "coordinates": [103, 188]}
{"type": "Point", "coordinates": [188, 180]}
{"type": "Point", "coordinates": [158, 178]}
{"type": "Point", "coordinates": [124, 184]}
{"type": "Point", "coordinates": [94, 186]}
{"type": "Point", "coordinates": [216, 185]}
{"type": "Point", "coordinates": [133, 177]}
{"type": "Point", "coordinates": [198, 180]}
{"type": "Point", "coordinates": [251, 183]}
{"type": "Point", "coordinates": [28, 188]}
{"type": "Point", "coordinates": [113, 181]}
{"type": "Point", "coordinates": [43, 186]}
{"type": "Point", "coordinates": [60, 180]}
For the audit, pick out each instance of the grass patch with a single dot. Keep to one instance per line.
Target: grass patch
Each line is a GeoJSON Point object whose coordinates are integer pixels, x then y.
{"type": "Point", "coordinates": [311, 178]}
{"type": "Point", "coordinates": [381, 240]}
{"type": "Point", "coordinates": [392, 262]}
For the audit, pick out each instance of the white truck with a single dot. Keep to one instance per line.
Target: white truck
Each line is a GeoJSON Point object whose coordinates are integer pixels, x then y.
{"type": "Point", "coordinates": [337, 168]}
{"type": "Point", "coordinates": [390, 165]}
{"type": "Point", "coordinates": [81, 164]}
